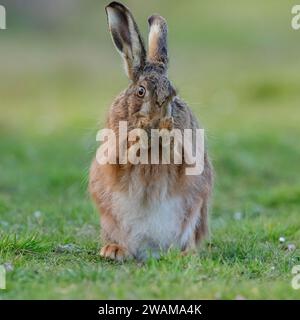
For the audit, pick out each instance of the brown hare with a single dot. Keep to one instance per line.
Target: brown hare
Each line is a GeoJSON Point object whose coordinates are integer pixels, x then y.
{"type": "Point", "coordinates": [148, 208]}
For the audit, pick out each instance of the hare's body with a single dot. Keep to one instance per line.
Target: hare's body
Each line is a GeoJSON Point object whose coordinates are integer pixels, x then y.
{"type": "Point", "coordinates": [143, 225]}
{"type": "Point", "coordinates": [148, 207]}
{"type": "Point", "coordinates": [151, 208]}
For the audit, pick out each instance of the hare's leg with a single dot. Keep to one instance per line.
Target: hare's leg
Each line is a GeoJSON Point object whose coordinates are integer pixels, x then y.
{"type": "Point", "coordinates": [111, 237]}
{"type": "Point", "coordinates": [202, 229]}
{"type": "Point", "coordinates": [189, 228]}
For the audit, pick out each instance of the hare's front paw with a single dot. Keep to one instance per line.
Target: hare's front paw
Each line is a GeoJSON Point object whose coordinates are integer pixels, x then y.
{"type": "Point", "coordinates": [166, 123]}
{"type": "Point", "coordinates": [114, 252]}
{"type": "Point", "coordinates": [144, 123]}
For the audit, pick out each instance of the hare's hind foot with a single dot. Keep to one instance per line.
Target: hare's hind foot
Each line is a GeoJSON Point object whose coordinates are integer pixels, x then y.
{"type": "Point", "coordinates": [114, 251]}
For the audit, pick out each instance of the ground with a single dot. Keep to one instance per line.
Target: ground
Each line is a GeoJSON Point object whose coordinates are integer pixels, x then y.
{"type": "Point", "coordinates": [242, 81]}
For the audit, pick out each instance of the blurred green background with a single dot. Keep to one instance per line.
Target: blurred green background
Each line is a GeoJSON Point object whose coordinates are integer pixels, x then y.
{"type": "Point", "coordinates": [236, 64]}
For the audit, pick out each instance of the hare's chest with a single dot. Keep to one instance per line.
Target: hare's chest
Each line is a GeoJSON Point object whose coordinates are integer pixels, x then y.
{"type": "Point", "coordinates": [153, 226]}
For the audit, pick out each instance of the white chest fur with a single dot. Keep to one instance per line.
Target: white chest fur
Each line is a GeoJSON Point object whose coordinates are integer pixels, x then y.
{"type": "Point", "coordinates": [157, 223]}
{"type": "Point", "coordinates": [155, 226]}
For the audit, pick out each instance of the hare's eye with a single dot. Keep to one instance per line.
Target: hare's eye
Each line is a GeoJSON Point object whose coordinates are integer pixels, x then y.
{"type": "Point", "coordinates": [141, 91]}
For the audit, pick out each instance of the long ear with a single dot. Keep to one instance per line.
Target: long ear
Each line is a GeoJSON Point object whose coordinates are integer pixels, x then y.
{"type": "Point", "coordinates": [158, 33]}
{"type": "Point", "coordinates": [126, 37]}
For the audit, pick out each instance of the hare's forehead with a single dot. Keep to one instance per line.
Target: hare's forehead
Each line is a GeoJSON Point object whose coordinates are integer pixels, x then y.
{"type": "Point", "coordinates": [156, 82]}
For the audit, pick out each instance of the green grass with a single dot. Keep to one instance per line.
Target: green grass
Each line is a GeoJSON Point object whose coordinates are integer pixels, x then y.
{"type": "Point", "coordinates": [240, 78]}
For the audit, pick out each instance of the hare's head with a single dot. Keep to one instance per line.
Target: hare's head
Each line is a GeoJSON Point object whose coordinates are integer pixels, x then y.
{"type": "Point", "coordinates": [150, 91]}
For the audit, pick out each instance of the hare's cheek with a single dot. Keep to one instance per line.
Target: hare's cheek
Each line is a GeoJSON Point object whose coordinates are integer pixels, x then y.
{"type": "Point", "coordinates": [135, 105]}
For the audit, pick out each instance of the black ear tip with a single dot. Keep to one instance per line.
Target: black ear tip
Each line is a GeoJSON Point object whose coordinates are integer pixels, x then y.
{"type": "Point", "coordinates": [150, 20]}
{"type": "Point", "coordinates": [156, 18]}
{"type": "Point", "coordinates": [115, 5]}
